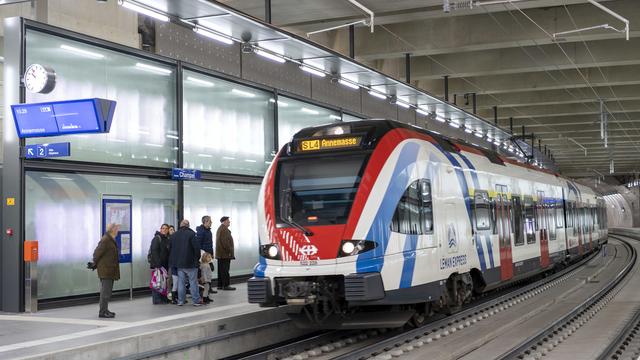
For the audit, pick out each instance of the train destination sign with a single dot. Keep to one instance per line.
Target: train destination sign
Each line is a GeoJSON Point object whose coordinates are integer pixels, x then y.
{"type": "Point", "coordinates": [39, 151]}
{"type": "Point", "coordinates": [329, 143]}
{"type": "Point", "coordinates": [63, 117]}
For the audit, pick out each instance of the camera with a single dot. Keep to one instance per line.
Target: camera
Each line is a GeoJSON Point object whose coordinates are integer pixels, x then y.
{"type": "Point", "coordinates": [91, 265]}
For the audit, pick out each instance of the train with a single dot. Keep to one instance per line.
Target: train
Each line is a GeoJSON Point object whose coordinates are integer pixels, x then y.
{"type": "Point", "coordinates": [377, 223]}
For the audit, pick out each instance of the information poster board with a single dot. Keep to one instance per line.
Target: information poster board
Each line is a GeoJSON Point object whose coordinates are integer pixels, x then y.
{"type": "Point", "coordinates": [118, 210]}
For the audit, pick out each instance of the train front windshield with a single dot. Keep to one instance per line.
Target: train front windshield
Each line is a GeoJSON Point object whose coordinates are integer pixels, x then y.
{"type": "Point", "coordinates": [318, 190]}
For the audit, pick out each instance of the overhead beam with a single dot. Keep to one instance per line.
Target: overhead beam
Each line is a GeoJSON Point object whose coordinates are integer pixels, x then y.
{"type": "Point", "coordinates": [538, 81]}
{"type": "Point", "coordinates": [561, 110]}
{"type": "Point", "coordinates": [496, 31]}
{"type": "Point", "coordinates": [617, 52]}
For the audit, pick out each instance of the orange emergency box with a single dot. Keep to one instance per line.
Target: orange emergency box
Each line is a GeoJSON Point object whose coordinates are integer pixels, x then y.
{"type": "Point", "coordinates": [30, 250]}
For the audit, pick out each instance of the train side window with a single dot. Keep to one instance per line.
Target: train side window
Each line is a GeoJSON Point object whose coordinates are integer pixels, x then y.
{"type": "Point", "coordinates": [494, 216]}
{"type": "Point", "coordinates": [414, 213]}
{"type": "Point", "coordinates": [426, 210]}
{"type": "Point", "coordinates": [518, 225]}
{"type": "Point", "coordinates": [529, 220]}
{"type": "Point", "coordinates": [482, 210]}
{"type": "Point", "coordinates": [559, 214]}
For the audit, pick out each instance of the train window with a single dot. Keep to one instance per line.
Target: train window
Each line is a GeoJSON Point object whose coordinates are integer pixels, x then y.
{"type": "Point", "coordinates": [482, 210]}
{"type": "Point", "coordinates": [529, 216]}
{"type": "Point", "coordinates": [518, 225]}
{"type": "Point", "coordinates": [494, 216]}
{"type": "Point", "coordinates": [414, 213]}
{"type": "Point", "coordinates": [569, 214]}
{"type": "Point", "coordinates": [559, 214]}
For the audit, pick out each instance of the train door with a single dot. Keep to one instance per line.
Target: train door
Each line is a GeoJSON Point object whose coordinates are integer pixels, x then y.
{"type": "Point", "coordinates": [503, 211]}
{"type": "Point", "coordinates": [544, 230]}
{"type": "Point", "coordinates": [579, 226]}
{"type": "Point", "coordinates": [589, 215]}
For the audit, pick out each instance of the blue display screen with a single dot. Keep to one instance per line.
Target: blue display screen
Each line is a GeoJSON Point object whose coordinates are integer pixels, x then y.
{"type": "Point", "coordinates": [63, 117]}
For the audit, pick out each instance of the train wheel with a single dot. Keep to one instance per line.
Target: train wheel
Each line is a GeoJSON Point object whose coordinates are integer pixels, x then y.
{"type": "Point", "coordinates": [423, 311]}
{"type": "Point", "coordinates": [459, 290]}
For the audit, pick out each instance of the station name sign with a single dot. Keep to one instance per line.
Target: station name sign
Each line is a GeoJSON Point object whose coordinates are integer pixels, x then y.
{"type": "Point", "coordinates": [185, 174]}
{"type": "Point", "coordinates": [63, 117]}
{"type": "Point", "coordinates": [329, 143]}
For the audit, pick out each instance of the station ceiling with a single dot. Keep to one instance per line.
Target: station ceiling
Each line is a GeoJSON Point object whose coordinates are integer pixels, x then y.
{"type": "Point", "coordinates": [507, 55]}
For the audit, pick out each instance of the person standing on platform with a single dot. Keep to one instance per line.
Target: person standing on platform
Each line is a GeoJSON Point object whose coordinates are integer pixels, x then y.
{"type": "Point", "coordinates": [174, 271]}
{"type": "Point", "coordinates": [185, 255]}
{"type": "Point", "coordinates": [105, 259]}
{"type": "Point", "coordinates": [203, 232]}
{"type": "Point", "coordinates": [224, 253]}
{"type": "Point", "coordinates": [159, 259]}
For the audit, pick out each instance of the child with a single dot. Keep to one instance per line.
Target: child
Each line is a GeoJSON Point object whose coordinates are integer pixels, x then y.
{"type": "Point", "coordinates": [206, 275]}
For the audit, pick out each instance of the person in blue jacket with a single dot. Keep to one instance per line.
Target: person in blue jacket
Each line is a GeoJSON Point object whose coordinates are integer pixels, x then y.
{"type": "Point", "coordinates": [185, 255]}
{"type": "Point", "coordinates": [204, 235]}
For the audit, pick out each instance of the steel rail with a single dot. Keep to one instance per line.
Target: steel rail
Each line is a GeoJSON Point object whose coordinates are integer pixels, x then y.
{"type": "Point", "coordinates": [531, 342]}
{"type": "Point", "coordinates": [408, 336]}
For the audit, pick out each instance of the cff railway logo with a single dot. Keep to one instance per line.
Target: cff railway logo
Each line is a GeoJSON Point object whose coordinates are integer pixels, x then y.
{"type": "Point", "coordinates": [308, 250]}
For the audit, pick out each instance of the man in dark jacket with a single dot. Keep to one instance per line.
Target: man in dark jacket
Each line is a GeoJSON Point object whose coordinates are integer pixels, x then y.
{"type": "Point", "coordinates": [224, 253]}
{"type": "Point", "coordinates": [105, 259]}
{"type": "Point", "coordinates": [159, 257]}
{"type": "Point", "coordinates": [185, 255]}
{"type": "Point", "coordinates": [204, 235]}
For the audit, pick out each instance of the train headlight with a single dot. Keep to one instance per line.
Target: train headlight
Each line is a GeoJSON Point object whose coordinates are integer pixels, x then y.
{"type": "Point", "coordinates": [348, 247]}
{"type": "Point", "coordinates": [354, 247]}
{"type": "Point", "coordinates": [270, 251]}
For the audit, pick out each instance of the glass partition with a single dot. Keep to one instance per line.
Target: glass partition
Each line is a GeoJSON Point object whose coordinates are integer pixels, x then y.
{"type": "Point", "coordinates": [347, 117]}
{"type": "Point", "coordinates": [294, 115]}
{"type": "Point", "coordinates": [238, 201]}
{"type": "Point", "coordinates": [227, 127]}
{"type": "Point", "coordinates": [63, 212]}
{"type": "Point", "coordinates": [144, 130]}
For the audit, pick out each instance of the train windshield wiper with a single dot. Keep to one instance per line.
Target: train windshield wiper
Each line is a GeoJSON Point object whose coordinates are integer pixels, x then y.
{"type": "Point", "coordinates": [285, 213]}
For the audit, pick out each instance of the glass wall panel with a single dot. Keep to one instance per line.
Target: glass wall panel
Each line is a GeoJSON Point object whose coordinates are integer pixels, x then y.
{"type": "Point", "coordinates": [294, 115]}
{"type": "Point", "coordinates": [144, 130]}
{"type": "Point", "coordinates": [238, 201]}
{"type": "Point", "coordinates": [227, 127]}
{"type": "Point", "coordinates": [63, 212]}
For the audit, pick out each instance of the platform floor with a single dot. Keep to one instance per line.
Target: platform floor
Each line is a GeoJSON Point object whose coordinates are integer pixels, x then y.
{"type": "Point", "coordinates": [25, 335]}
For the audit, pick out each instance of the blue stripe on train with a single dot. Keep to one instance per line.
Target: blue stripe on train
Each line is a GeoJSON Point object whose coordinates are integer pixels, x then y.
{"type": "Point", "coordinates": [372, 261]}
{"type": "Point", "coordinates": [462, 181]}
{"type": "Point", "coordinates": [487, 239]}
{"type": "Point", "coordinates": [410, 245]}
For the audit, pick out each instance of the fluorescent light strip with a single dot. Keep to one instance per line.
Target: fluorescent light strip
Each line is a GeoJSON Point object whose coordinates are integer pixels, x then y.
{"type": "Point", "coordinates": [468, 130]}
{"type": "Point", "coordinates": [270, 56]}
{"type": "Point", "coordinates": [171, 136]}
{"type": "Point", "coordinates": [153, 145]}
{"type": "Point", "coordinates": [143, 10]}
{"type": "Point", "coordinates": [282, 103]}
{"type": "Point", "coordinates": [335, 117]}
{"type": "Point", "coordinates": [212, 35]}
{"type": "Point", "coordinates": [250, 160]}
{"type": "Point", "coordinates": [243, 93]}
{"type": "Point", "coordinates": [82, 52]}
{"type": "Point", "coordinates": [478, 134]}
{"type": "Point", "coordinates": [154, 69]}
{"type": "Point", "coordinates": [423, 112]}
{"type": "Point", "coordinates": [309, 111]}
{"type": "Point", "coordinates": [212, 188]}
{"type": "Point", "coordinates": [205, 155]}
{"type": "Point", "coordinates": [200, 82]}
{"type": "Point", "coordinates": [440, 118]}
{"type": "Point", "coordinates": [403, 104]}
{"type": "Point", "coordinates": [377, 94]}
{"type": "Point", "coordinates": [348, 84]}
{"type": "Point", "coordinates": [242, 189]}
{"type": "Point", "coordinates": [312, 71]}
{"type": "Point", "coordinates": [454, 124]}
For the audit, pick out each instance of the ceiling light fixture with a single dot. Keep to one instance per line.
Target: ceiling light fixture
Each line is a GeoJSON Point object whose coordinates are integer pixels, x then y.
{"type": "Point", "coordinates": [312, 71]}
{"type": "Point", "coordinates": [377, 94]}
{"type": "Point", "coordinates": [243, 93]}
{"type": "Point", "coordinates": [422, 112]}
{"type": "Point", "coordinates": [212, 35]}
{"type": "Point", "coordinates": [143, 10]}
{"type": "Point", "coordinates": [269, 56]}
{"type": "Point", "coordinates": [348, 84]}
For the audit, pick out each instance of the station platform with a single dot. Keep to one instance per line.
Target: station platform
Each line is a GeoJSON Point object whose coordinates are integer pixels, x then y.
{"type": "Point", "coordinates": [140, 329]}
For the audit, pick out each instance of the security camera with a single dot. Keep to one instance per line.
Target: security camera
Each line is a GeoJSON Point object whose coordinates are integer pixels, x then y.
{"type": "Point", "coordinates": [246, 48]}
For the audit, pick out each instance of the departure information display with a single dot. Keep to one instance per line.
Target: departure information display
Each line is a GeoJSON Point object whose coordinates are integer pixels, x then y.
{"type": "Point", "coordinates": [63, 117]}
{"type": "Point", "coordinates": [329, 143]}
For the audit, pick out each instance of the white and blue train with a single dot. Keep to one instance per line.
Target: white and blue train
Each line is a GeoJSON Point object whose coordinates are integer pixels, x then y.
{"type": "Point", "coordinates": [376, 223]}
